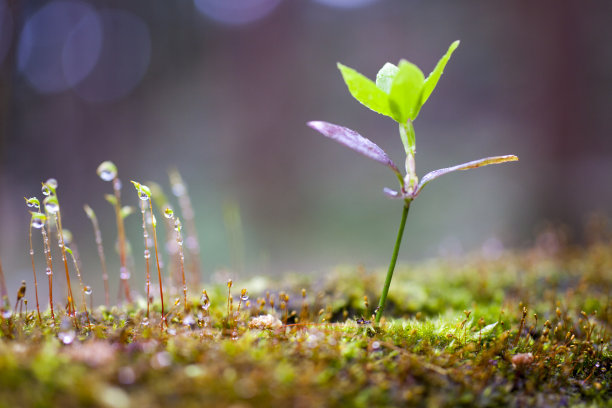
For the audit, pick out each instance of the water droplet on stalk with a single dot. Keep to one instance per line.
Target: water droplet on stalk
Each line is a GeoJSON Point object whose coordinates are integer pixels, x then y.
{"type": "Point", "coordinates": [45, 190]}
{"type": "Point", "coordinates": [143, 196]}
{"type": "Point", "coordinates": [107, 171]}
{"type": "Point", "coordinates": [147, 254]}
{"type": "Point", "coordinates": [87, 289]}
{"type": "Point", "coordinates": [38, 222]}
{"type": "Point", "coordinates": [7, 314]}
{"type": "Point", "coordinates": [124, 273]}
{"type": "Point", "coordinates": [52, 183]}
{"type": "Point", "coordinates": [168, 213]}
{"type": "Point", "coordinates": [51, 205]}
{"type": "Point", "coordinates": [49, 272]}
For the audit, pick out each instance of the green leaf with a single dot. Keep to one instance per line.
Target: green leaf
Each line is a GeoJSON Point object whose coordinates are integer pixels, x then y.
{"type": "Point", "coordinates": [365, 90]}
{"type": "Point", "coordinates": [406, 91]}
{"type": "Point", "coordinates": [90, 212]}
{"type": "Point", "coordinates": [434, 76]}
{"type": "Point", "coordinates": [385, 77]}
{"type": "Point", "coordinates": [111, 199]}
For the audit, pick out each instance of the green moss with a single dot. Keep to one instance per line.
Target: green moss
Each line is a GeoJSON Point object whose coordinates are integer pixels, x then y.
{"type": "Point", "coordinates": [457, 338]}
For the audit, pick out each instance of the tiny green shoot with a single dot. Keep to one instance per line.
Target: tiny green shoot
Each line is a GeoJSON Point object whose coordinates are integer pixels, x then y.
{"type": "Point", "coordinates": [179, 189]}
{"type": "Point", "coordinates": [98, 236]}
{"type": "Point", "coordinates": [107, 171]}
{"type": "Point", "coordinates": [51, 204]}
{"type": "Point", "coordinates": [144, 194]}
{"type": "Point", "coordinates": [34, 203]}
{"type": "Point", "coordinates": [169, 214]}
{"type": "Point", "coordinates": [399, 92]}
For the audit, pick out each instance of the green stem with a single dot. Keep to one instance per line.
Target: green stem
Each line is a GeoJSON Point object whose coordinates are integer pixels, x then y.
{"type": "Point", "coordinates": [398, 242]}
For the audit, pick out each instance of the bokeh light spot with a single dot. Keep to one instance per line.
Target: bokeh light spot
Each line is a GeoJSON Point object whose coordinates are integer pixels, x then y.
{"type": "Point", "coordinates": [236, 11]}
{"type": "Point", "coordinates": [123, 60]}
{"type": "Point", "coordinates": [43, 42]}
{"type": "Point", "coordinates": [346, 3]}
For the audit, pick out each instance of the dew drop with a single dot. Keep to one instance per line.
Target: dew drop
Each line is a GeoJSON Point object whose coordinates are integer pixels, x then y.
{"type": "Point", "coordinates": [143, 195]}
{"type": "Point", "coordinates": [189, 320]}
{"type": "Point", "coordinates": [38, 222]}
{"type": "Point", "coordinates": [87, 289]}
{"type": "Point", "coordinates": [145, 322]}
{"type": "Point", "coordinates": [6, 314]}
{"type": "Point", "coordinates": [45, 190]}
{"type": "Point", "coordinates": [147, 254]}
{"type": "Point", "coordinates": [117, 184]}
{"type": "Point", "coordinates": [205, 301]}
{"type": "Point", "coordinates": [107, 171]}
{"type": "Point", "coordinates": [31, 252]}
{"type": "Point", "coordinates": [52, 183]}
{"type": "Point", "coordinates": [52, 206]}
{"type": "Point", "coordinates": [66, 337]}
{"type": "Point", "coordinates": [177, 225]}
{"type": "Point", "coordinates": [124, 273]}
{"type": "Point", "coordinates": [49, 272]}
{"type": "Point", "coordinates": [168, 213]}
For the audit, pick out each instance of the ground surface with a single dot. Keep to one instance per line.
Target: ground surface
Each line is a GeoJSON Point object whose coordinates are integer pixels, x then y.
{"type": "Point", "coordinates": [526, 329]}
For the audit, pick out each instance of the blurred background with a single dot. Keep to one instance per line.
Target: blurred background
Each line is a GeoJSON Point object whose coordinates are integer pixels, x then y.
{"type": "Point", "coordinates": [221, 90]}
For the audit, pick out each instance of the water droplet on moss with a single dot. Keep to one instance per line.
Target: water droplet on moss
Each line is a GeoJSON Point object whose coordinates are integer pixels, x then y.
{"type": "Point", "coordinates": [107, 171]}
{"type": "Point", "coordinates": [38, 222]}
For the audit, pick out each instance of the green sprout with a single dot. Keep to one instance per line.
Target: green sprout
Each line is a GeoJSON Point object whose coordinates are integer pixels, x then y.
{"type": "Point", "coordinates": [399, 92]}
{"type": "Point", "coordinates": [144, 194]}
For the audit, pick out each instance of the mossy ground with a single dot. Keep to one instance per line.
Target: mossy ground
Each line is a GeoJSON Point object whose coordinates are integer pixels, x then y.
{"type": "Point", "coordinates": [528, 329]}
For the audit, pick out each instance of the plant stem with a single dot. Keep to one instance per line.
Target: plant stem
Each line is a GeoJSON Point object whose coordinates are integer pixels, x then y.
{"type": "Point", "coordinates": [34, 272]}
{"type": "Point", "coordinates": [161, 287]}
{"type": "Point", "coordinates": [398, 242]}
{"type": "Point", "coordinates": [121, 238]}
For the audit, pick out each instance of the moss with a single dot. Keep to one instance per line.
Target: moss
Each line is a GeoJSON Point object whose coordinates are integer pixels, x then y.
{"type": "Point", "coordinates": [526, 330]}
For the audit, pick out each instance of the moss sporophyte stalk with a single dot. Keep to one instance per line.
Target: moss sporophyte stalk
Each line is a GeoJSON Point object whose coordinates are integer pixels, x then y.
{"type": "Point", "coordinates": [399, 93]}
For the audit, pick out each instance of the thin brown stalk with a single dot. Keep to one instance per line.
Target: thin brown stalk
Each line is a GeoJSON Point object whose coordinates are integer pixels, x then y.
{"type": "Point", "coordinates": [161, 289]}
{"type": "Point", "coordinates": [98, 236]}
{"type": "Point", "coordinates": [34, 272]}
{"type": "Point", "coordinates": [83, 299]}
{"type": "Point", "coordinates": [60, 237]}
{"type": "Point", "coordinates": [121, 237]}
{"type": "Point", "coordinates": [147, 254]}
{"type": "Point", "coordinates": [193, 248]}
{"type": "Point", "coordinates": [3, 290]}
{"type": "Point", "coordinates": [49, 271]}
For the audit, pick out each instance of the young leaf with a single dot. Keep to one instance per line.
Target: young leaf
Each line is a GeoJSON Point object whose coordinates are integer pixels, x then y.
{"type": "Point", "coordinates": [405, 93]}
{"type": "Point", "coordinates": [434, 76]}
{"type": "Point", "coordinates": [90, 212]}
{"type": "Point", "coordinates": [385, 77]}
{"type": "Point", "coordinates": [465, 166]}
{"type": "Point", "coordinates": [111, 199]}
{"type": "Point", "coordinates": [355, 141]}
{"type": "Point", "coordinates": [365, 90]}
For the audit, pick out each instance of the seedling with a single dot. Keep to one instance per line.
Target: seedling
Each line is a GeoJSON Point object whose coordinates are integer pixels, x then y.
{"type": "Point", "coordinates": [144, 194]}
{"type": "Point", "coordinates": [98, 236]}
{"type": "Point", "coordinates": [179, 189]}
{"type": "Point", "coordinates": [399, 93]}
{"type": "Point", "coordinates": [107, 171]}
{"type": "Point", "coordinates": [34, 203]}
{"type": "Point", "coordinates": [51, 204]}
{"type": "Point", "coordinates": [169, 214]}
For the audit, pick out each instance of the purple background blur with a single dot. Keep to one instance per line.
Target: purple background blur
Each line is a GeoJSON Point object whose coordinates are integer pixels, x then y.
{"type": "Point", "coordinates": [222, 89]}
